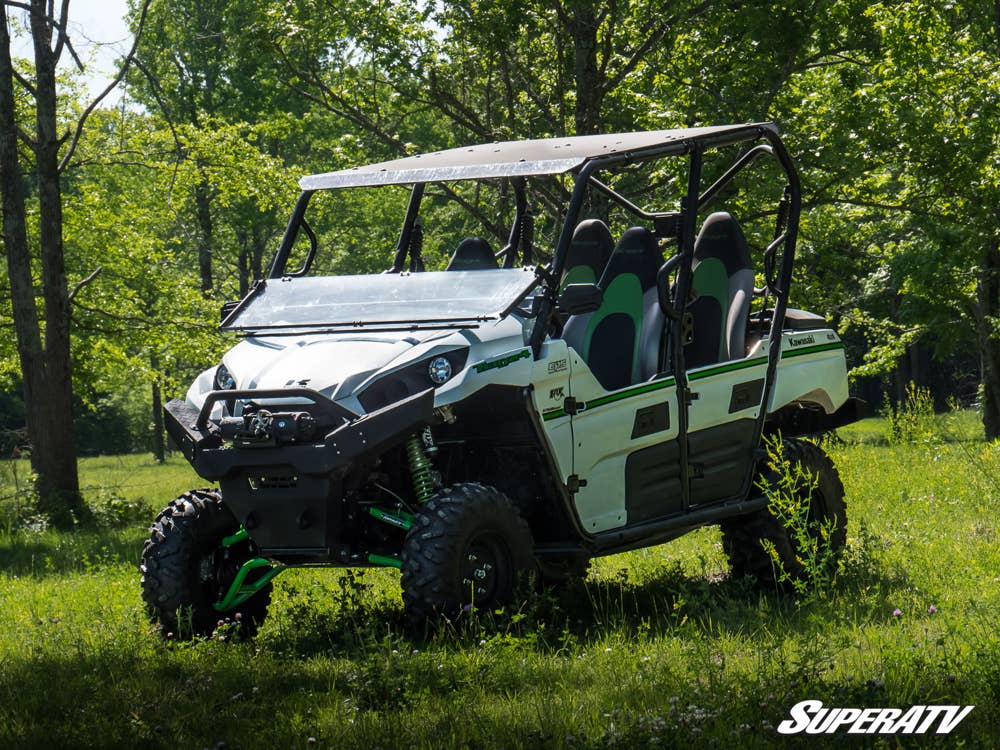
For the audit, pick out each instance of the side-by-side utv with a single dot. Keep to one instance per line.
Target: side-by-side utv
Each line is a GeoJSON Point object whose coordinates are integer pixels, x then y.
{"type": "Point", "coordinates": [501, 416]}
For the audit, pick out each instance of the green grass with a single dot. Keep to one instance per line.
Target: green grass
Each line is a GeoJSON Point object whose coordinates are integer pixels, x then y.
{"type": "Point", "coordinates": [659, 648]}
{"type": "Point", "coordinates": [954, 426]}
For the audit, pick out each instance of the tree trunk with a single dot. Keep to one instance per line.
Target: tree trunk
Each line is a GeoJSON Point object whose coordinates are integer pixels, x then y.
{"type": "Point", "coordinates": [159, 447]}
{"type": "Point", "coordinates": [53, 447]}
{"type": "Point", "coordinates": [987, 314]}
{"type": "Point", "coordinates": [46, 369]}
{"type": "Point", "coordinates": [260, 241]}
{"type": "Point", "coordinates": [243, 262]}
{"type": "Point", "coordinates": [587, 78]}
{"type": "Point", "coordinates": [252, 242]}
{"type": "Point", "coordinates": [203, 205]}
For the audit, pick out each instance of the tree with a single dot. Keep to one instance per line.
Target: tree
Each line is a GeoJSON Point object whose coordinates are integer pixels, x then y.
{"type": "Point", "coordinates": [410, 76]}
{"type": "Point", "coordinates": [43, 334]}
{"type": "Point", "coordinates": [924, 109]}
{"type": "Point", "coordinates": [200, 73]}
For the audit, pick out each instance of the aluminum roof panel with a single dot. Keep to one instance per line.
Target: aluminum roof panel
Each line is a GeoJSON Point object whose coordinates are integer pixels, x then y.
{"type": "Point", "coordinates": [513, 158]}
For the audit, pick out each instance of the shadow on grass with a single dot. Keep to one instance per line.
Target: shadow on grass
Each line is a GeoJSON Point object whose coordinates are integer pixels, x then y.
{"type": "Point", "coordinates": [218, 695]}
{"type": "Point", "coordinates": [353, 621]}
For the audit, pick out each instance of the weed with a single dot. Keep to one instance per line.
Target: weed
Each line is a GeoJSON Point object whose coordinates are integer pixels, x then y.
{"type": "Point", "coordinates": [789, 489]}
{"type": "Point", "coordinates": [913, 420]}
{"type": "Point", "coordinates": [19, 497]}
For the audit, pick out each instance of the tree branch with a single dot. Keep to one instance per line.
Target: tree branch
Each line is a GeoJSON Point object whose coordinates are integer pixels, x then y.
{"type": "Point", "coordinates": [83, 282]}
{"type": "Point", "coordinates": [652, 38]}
{"type": "Point", "coordinates": [126, 63]}
{"type": "Point", "coordinates": [154, 87]}
{"type": "Point", "coordinates": [25, 138]}
{"type": "Point", "coordinates": [63, 36]}
{"type": "Point", "coordinates": [26, 83]}
{"type": "Point", "coordinates": [60, 26]}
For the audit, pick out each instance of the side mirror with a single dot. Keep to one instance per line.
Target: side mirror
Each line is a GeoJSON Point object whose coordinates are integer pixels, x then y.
{"type": "Point", "coordinates": [227, 309]}
{"type": "Point", "coordinates": [577, 299]}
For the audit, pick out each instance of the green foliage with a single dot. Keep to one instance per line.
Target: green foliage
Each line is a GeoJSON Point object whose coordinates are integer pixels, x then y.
{"type": "Point", "coordinates": [889, 109]}
{"type": "Point", "coordinates": [118, 491]}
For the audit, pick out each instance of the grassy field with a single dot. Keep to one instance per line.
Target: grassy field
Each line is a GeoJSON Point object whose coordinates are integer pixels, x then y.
{"type": "Point", "coordinates": [660, 648]}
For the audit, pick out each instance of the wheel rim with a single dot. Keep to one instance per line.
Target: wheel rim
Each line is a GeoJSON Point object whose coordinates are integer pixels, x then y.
{"type": "Point", "coordinates": [218, 566]}
{"type": "Point", "coordinates": [485, 569]}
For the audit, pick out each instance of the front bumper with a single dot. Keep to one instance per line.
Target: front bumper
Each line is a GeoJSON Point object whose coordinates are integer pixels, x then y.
{"type": "Point", "coordinates": [288, 496]}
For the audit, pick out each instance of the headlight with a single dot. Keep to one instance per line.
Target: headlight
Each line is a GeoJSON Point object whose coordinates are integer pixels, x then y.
{"type": "Point", "coordinates": [224, 381]}
{"type": "Point", "coordinates": [412, 379]}
{"type": "Point", "coordinates": [439, 370]}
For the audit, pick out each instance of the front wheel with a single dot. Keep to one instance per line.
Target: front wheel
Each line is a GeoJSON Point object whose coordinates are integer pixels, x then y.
{"type": "Point", "coordinates": [468, 548]}
{"type": "Point", "coordinates": [186, 569]}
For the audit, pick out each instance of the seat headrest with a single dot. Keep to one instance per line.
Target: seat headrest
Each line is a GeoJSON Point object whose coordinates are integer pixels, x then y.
{"type": "Point", "coordinates": [636, 253]}
{"type": "Point", "coordinates": [472, 254]}
{"type": "Point", "coordinates": [590, 249]}
{"type": "Point", "coordinates": [722, 237]}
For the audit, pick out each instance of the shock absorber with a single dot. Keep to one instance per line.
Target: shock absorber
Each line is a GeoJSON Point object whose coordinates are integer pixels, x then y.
{"type": "Point", "coordinates": [420, 469]}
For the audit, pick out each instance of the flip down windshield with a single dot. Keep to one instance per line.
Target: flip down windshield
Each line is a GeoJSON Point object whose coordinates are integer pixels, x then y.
{"type": "Point", "coordinates": [419, 300]}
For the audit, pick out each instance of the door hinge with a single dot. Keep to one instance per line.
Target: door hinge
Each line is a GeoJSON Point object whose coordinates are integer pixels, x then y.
{"type": "Point", "coordinates": [574, 483]}
{"type": "Point", "coordinates": [687, 328]}
{"type": "Point", "coordinates": [572, 406]}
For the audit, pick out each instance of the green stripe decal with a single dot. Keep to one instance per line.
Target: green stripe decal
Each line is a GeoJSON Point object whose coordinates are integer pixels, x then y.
{"type": "Point", "coordinates": [812, 349]}
{"type": "Point", "coordinates": [727, 367]}
{"type": "Point", "coordinates": [697, 375]}
{"type": "Point", "coordinates": [611, 398]}
{"type": "Point", "coordinates": [645, 388]}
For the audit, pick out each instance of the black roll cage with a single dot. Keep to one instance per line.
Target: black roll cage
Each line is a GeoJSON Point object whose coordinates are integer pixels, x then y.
{"type": "Point", "coordinates": [667, 224]}
{"type": "Point", "coordinates": [673, 300]}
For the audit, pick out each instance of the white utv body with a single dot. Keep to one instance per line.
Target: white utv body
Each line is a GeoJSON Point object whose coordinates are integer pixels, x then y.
{"type": "Point", "coordinates": [503, 417]}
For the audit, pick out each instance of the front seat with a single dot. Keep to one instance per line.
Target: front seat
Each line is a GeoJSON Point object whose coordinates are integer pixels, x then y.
{"type": "Point", "coordinates": [589, 251]}
{"type": "Point", "coordinates": [723, 284]}
{"type": "Point", "coordinates": [472, 254]}
{"type": "Point", "coordinates": [620, 340]}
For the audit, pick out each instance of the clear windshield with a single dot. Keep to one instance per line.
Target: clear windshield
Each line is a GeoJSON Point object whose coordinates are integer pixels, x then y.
{"type": "Point", "coordinates": [384, 300]}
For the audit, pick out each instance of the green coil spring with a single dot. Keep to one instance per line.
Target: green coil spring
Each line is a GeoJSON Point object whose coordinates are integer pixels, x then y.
{"type": "Point", "coordinates": [420, 470]}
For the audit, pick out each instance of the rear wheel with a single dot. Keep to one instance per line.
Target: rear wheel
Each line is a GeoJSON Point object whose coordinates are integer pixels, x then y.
{"type": "Point", "coordinates": [185, 569]}
{"type": "Point", "coordinates": [742, 536]}
{"type": "Point", "coordinates": [468, 547]}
